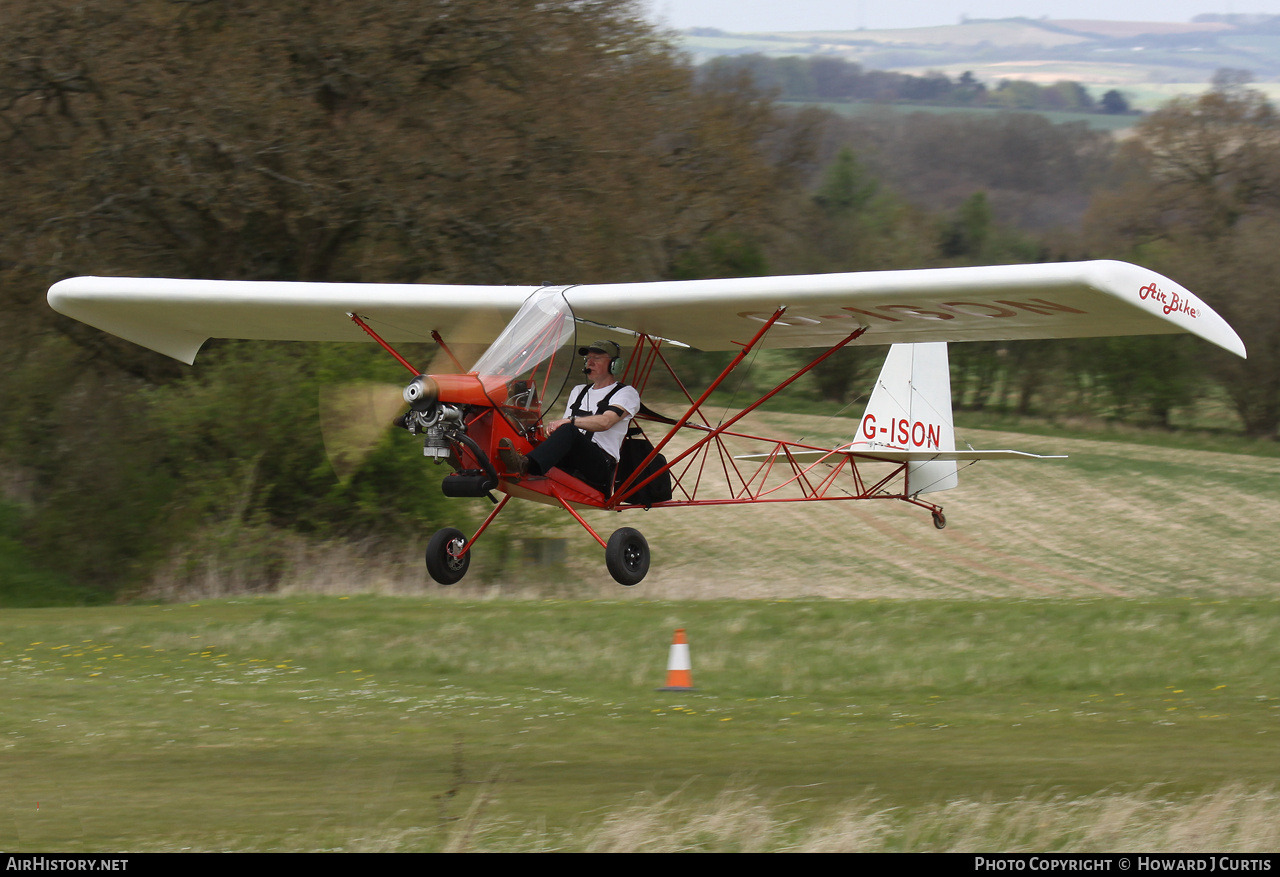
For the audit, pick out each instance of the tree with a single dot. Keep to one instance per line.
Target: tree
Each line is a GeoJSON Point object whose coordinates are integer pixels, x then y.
{"type": "Point", "coordinates": [314, 139]}
{"type": "Point", "coordinates": [1068, 95]}
{"type": "Point", "coordinates": [847, 187]}
{"type": "Point", "coordinates": [969, 90]}
{"type": "Point", "coordinates": [1202, 205]}
{"type": "Point", "coordinates": [966, 234]}
{"type": "Point", "coordinates": [1114, 103]}
{"type": "Point", "coordinates": [1017, 94]}
{"type": "Point", "coordinates": [493, 141]}
{"type": "Point", "coordinates": [1213, 159]}
{"type": "Point", "coordinates": [1036, 174]}
{"type": "Point", "coordinates": [1145, 377]}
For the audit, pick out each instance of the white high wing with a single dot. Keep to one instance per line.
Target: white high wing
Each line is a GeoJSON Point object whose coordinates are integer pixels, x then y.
{"type": "Point", "coordinates": [485, 422]}
{"type": "Point", "coordinates": [1000, 303]}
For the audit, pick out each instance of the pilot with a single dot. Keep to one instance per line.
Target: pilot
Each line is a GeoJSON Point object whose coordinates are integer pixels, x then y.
{"type": "Point", "coordinates": [586, 443]}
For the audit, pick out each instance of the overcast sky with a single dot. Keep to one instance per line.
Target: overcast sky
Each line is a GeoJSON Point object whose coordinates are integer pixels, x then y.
{"type": "Point", "coordinates": [755, 15]}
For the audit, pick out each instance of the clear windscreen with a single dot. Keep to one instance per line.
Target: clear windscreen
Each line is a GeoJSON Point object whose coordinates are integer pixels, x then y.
{"type": "Point", "coordinates": [535, 355]}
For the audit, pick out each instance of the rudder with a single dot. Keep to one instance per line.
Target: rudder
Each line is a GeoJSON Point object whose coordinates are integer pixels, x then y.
{"type": "Point", "coordinates": [910, 409]}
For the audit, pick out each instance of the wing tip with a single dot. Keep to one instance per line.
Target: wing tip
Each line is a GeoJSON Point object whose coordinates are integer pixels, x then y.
{"type": "Point", "coordinates": [74, 298]}
{"type": "Point", "coordinates": [1113, 275]}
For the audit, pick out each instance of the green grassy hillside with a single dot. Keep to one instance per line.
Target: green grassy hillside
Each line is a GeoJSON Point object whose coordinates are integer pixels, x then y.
{"type": "Point", "coordinates": [417, 724]}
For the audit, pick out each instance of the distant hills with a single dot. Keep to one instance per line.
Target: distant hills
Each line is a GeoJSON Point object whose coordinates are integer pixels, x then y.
{"type": "Point", "coordinates": [1149, 61]}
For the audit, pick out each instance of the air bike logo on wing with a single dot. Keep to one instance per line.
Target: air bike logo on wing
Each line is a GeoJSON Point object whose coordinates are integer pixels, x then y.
{"type": "Point", "coordinates": [1171, 302]}
{"type": "Point", "coordinates": [903, 432]}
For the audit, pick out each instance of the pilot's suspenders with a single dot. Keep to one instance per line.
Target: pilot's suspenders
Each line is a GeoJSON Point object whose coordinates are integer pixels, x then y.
{"type": "Point", "coordinates": [601, 406]}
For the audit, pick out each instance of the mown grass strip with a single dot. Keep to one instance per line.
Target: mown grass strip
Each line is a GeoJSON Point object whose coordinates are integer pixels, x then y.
{"type": "Point", "coordinates": [327, 722]}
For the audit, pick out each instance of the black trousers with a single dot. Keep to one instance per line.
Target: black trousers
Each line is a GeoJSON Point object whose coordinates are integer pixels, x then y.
{"type": "Point", "coordinates": [568, 449]}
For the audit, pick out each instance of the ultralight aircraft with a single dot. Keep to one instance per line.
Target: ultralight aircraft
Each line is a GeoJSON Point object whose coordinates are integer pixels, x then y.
{"type": "Point", "coordinates": [904, 448]}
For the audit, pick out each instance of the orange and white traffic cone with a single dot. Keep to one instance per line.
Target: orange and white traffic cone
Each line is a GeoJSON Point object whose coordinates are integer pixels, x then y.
{"type": "Point", "coordinates": [679, 670]}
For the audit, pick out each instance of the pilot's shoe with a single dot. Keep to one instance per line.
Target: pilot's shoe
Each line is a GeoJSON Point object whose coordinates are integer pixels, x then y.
{"type": "Point", "coordinates": [513, 462]}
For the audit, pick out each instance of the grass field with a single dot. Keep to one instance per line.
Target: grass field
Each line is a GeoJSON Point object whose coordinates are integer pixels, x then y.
{"type": "Point", "coordinates": [1083, 660]}
{"type": "Point", "coordinates": [386, 723]}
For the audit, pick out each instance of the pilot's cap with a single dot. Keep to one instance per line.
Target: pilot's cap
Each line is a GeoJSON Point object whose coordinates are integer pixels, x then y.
{"type": "Point", "coordinates": [609, 348]}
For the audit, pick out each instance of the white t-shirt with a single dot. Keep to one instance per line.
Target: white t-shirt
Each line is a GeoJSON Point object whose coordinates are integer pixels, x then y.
{"type": "Point", "coordinates": [626, 399]}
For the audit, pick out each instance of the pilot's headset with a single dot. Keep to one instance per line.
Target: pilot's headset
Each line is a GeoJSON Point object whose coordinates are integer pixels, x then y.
{"type": "Point", "coordinates": [609, 348]}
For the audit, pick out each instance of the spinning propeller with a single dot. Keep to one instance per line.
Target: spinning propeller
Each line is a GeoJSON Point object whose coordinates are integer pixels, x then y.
{"type": "Point", "coordinates": [354, 416]}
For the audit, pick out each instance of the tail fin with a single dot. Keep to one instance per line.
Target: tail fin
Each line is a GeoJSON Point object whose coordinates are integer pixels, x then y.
{"type": "Point", "coordinates": [910, 410]}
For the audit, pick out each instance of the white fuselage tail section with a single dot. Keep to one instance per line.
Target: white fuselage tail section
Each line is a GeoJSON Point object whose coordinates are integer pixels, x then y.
{"type": "Point", "coordinates": [910, 410]}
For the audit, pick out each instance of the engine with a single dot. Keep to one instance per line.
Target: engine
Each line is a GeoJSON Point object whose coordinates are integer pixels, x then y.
{"type": "Point", "coordinates": [439, 422]}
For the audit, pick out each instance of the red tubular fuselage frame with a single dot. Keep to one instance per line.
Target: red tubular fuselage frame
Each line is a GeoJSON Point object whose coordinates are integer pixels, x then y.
{"type": "Point", "coordinates": [776, 475]}
{"type": "Point", "coordinates": [779, 477]}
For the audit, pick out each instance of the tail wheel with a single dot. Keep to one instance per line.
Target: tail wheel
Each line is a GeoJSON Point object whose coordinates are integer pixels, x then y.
{"type": "Point", "coordinates": [445, 562]}
{"type": "Point", "coordinates": [627, 556]}
{"type": "Point", "coordinates": [940, 520]}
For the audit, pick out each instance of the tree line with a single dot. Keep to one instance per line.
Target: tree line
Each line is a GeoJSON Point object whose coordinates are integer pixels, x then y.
{"type": "Point", "coordinates": [829, 78]}
{"type": "Point", "coordinates": [514, 142]}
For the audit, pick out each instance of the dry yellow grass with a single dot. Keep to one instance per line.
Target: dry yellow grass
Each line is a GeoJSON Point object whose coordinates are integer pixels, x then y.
{"type": "Point", "coordinates": [1233, 819]}
{"type": "Point", "coordinates": [1116, 519]}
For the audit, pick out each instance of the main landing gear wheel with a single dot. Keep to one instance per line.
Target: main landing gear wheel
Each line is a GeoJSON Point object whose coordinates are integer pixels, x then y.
{"type": "Point", "coordinates": [940, 520]}
{"type": "Point", "coordinates": [443, 562]}
{"type": "Point", "coordinates": [627, 556]}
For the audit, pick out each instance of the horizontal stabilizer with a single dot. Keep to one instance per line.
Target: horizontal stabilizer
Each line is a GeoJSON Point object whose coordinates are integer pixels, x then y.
{"type": "Point", "coordinates": [892, 455]}
{"type": "Point", "coordinates": [907, 421]}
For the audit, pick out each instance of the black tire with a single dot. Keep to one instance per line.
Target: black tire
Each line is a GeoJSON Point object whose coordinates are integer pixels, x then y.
{"type": "Point", "coordinates": [940, 520]}
{"type": "Point", "coordinates": [627, 556]}
{"type": "Point", "coordinates": [444, 567]}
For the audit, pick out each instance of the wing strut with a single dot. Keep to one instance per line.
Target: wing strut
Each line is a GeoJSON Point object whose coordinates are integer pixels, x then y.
{"type": "Point", "coordinates": [385, 346]}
